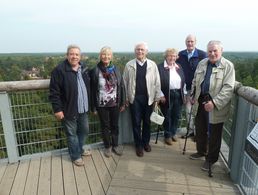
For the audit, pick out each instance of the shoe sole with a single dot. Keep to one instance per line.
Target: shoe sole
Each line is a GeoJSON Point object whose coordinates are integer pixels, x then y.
{"type": "Point", "coordinates": [193, 158]}
{"type": "Point", "coordinates": [88, 153]}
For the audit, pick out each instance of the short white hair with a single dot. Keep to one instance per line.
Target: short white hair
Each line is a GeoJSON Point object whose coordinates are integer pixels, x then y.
{"type": "Point", "coordinates": [215, 42]}
{"type": "Point", "coordinates": [141, 43]}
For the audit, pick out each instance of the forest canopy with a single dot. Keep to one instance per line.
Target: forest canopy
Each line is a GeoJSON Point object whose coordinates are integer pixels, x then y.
{"type": "Point", "coordinates": [15, 67]}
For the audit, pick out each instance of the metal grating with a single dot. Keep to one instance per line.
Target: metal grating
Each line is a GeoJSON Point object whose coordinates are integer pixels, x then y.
{"type": "Point", "coordinates": [36, 128]}
{"type": "Point", "coordinates": [249, 176]}
{"type": "Point", "coordinates": [3, 152]}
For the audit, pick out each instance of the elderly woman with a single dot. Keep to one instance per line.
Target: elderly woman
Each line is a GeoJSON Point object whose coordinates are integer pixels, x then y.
{"type": "Point", "coordinates": [172, 93]}
{"type": "Point", "coordinates": [108, 99]}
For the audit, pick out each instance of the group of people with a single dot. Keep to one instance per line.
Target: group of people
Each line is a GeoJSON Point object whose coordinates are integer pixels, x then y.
{"type": "Point", "coordinates": [204, 84]}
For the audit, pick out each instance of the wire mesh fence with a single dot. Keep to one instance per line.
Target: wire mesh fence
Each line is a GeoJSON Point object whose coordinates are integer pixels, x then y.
{"type": "Point", "coordinates": [36, 128]}
{"type": "Point", "coordinates": [3, 152]}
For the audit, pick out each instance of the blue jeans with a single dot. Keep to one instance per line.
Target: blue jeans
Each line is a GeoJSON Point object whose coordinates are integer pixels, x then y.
{"type": "Point", "coordinates": [76, 131]}
{"type": "Point", "coordinates": [172, 113]}
{"type": "Point", "coordinates": [140, 112]}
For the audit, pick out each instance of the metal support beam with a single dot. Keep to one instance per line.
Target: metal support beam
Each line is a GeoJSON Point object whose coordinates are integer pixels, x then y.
{"type": "Point", "coordinates": [8, 127]}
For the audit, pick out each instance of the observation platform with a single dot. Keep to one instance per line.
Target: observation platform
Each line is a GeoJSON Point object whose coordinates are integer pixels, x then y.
{"type": "Point", "coordinates": [163, 171]}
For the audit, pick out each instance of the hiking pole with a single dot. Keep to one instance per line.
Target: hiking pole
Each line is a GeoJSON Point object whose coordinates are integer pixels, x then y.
{"type": "Point", "coordinates": [157, 135]}
{"type": "Point", "coordinates": [188, 128]}
{"type": "Point", "coordinates": [206, 99]}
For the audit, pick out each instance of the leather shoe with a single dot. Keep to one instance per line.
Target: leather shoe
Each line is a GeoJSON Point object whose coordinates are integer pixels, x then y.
{"type": "Point", "coordinates": [139, 152]}
{"type": "Point", "coordinates": [147, 148]}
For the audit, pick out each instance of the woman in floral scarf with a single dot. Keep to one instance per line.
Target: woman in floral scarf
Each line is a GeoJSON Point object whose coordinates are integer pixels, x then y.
{"type": "Point", "coordinates": [108, 99]}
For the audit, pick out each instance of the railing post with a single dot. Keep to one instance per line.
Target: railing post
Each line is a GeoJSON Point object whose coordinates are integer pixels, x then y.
{"type": "Point", "coordinates": [8, 127]}
{"type": "Point", "coordinates": [238, 136]}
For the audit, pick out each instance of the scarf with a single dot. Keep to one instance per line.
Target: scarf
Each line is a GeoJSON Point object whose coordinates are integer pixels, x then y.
{"type": "Point", "coordinates": [108, 73]}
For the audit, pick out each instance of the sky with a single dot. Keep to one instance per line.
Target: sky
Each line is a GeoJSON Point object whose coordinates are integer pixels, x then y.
{"type": "Point", "coordinates": [32, 26]}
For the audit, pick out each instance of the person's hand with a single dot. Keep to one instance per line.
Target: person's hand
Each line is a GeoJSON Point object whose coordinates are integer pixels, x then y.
{"type": "Point", "coordinates": [192, 101]}
{"type": "Point", "coordinates": [59, 115]}
{"type": "Point", "coordinates": [184, 100]}
{"type": "Point", "coordinates": [208, 106]}
{"type": "Point", "coordinates": [163, 99]}
{"type": "Point", "coordinates": [95, 113]}
{"type": "Point", "coordinates": [126, 103]}
{"type": "Point", "coordinates": [122, 108]}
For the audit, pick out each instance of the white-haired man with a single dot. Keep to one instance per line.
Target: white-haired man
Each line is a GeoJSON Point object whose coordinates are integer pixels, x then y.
{"type": "Point", "coordinates": [142, 85]}
{"type": "Point", "coordinates": [212, 90]}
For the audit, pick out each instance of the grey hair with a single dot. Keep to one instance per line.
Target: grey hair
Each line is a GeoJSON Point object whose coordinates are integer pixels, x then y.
{"type": "Point", "coordinates": [142, 43]}
{"type": "Point", "coordinates": [215, 42]}
{"type": "Point", "coordinates": [170, 50]}
{"type": "Point", "coordinates": [72, 46]}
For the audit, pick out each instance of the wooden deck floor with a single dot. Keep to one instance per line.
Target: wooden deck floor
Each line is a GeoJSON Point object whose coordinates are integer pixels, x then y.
{"type": "Point", "coordinates": [161, 172]}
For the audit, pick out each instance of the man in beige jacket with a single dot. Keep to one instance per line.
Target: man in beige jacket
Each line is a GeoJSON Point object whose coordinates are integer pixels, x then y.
{"type": "Point", "coordinates": [212, 90]}
{"type": "Point", "coordinates": [142, 86]}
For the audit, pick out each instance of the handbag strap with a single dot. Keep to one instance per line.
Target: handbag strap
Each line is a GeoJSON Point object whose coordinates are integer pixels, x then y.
{"type": "Point", "coordinates": [157, 110]}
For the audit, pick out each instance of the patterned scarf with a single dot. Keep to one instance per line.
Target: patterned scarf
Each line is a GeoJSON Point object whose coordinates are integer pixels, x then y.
{"type": "Point", "coordinates": [108, 73]}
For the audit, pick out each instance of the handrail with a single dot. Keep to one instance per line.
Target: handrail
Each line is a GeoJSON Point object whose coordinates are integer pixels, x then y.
{"type": "Point", "coordinates": [24, 85]}
{"type": "Point", "coordinates": [248, 93]}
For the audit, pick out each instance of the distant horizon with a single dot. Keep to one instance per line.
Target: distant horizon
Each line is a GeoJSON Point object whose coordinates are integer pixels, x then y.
{"type": "Point", "coordinates": [113, 52]}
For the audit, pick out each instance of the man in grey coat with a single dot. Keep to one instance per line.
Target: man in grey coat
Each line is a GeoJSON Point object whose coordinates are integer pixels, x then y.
{"type": "Point", "coordinates": [212, 90]}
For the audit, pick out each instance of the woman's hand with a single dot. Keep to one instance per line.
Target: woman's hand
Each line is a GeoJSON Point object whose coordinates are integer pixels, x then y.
{"type": "Point", "coordinates": [163, 99]}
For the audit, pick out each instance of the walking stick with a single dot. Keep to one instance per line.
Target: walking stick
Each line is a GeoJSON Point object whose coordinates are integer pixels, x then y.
{"type": "Point", "coordinates": [206, 99]}
{"type": "Point", "coordinates": [188, 128]}
{"type": "Point", "coordinates": [157, 136]}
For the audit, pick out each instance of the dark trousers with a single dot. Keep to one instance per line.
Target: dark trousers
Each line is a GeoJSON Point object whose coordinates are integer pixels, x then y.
{"type": "Point", "coordinates": [140, 112]}
{"type": "Point", "coordinates": [108, 117]}
{"type": "Point", "coordinates": [172, 113]}
{"type": "Point", "coordinates": [208, 136]}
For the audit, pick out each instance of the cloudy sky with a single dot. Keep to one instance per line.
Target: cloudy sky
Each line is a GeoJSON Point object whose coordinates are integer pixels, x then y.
{"type": "Point", "coordinates": [51, 25]}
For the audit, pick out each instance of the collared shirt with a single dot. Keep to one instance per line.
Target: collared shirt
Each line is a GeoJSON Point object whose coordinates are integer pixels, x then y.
{"type": "Point", "coordinates": [82, 93]}
{"type": "Point", "coordinates": [206, 82]}
{"type": "Point", "coordinates": [174, 77]}
{"type": "Point", "coordinates": [141, 63]}
{"type": "Point", "coordinates": [190, 54]}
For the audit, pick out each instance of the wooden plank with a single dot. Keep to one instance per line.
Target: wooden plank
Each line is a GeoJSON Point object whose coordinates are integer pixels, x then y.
{"type": "Point", "coordinates": [44, 176]}
{"type": "Point", "coordinates": [101, 168]}
{"type": "Point", "coordinates": [8, 178]}
{"type": "Point", "coordinates": [68, 175]}
{"type": "Point", "coordinates": [81, 180]}
{"type": "Point", "coordinates": [133, 191]}
{"type": "Point", "coordinates": [57, 185]}
{"type": "Point", "coordinates": [20, 178]}
{"type": "Point", "coordinates": [150, 186]}
{"type": "Point", "coordinates": [2, 170]}
{"type": "Point", "coordinates": [93, 178]}
{"type": "Point", "coordinates": [110, 163]}
{"type": "Point", "coordinates": [31, 186]}
{"type": "Point", "coordinates": [116, 157]}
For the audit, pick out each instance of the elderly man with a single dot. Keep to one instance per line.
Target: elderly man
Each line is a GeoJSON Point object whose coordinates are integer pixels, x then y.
{"type": "Point", "coordinates": [212, 90]}
{"type": "Point", "coordinates": [142, 85]}
{"type": "Point", "coordinates": [189, 59]}
{"type": "Point", "coordinates": [69, 95]}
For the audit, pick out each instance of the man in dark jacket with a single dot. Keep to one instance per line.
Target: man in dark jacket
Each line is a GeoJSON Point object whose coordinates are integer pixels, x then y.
{"type": "Point", "coordinates": [69, 95]}
{"type": "Point", "coordinates": [189, 59]}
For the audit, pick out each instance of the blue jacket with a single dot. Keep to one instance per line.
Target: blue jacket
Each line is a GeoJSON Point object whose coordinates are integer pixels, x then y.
{"type": "Point", "coordinates": [189, 67]}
